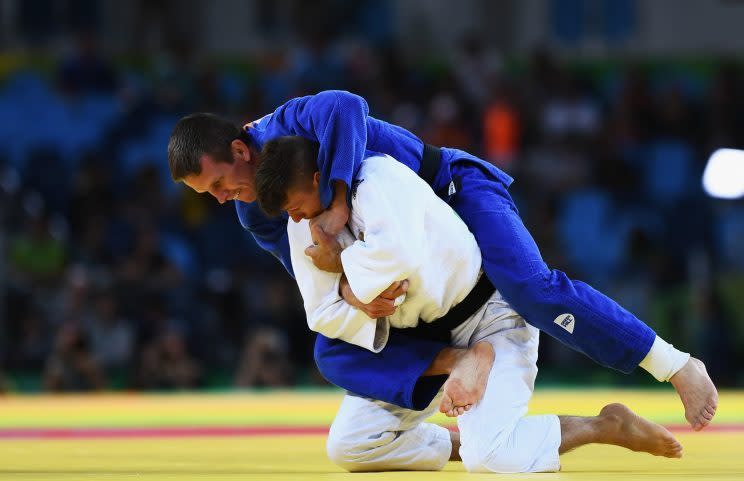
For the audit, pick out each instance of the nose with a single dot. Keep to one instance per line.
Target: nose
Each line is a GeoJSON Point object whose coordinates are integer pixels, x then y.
{"type": "Point", "coordinates": [220, 196]}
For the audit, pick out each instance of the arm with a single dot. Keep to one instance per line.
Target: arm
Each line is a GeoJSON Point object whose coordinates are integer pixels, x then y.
{"type": "Point", "coordinates": [270, 233]}
{"type": "Point", "coordinates": [337, 120]}
{"type": "Point", "coordinates": [327, 312]}
{"type": "Point", "coordinates": [394, 235]}
{"type": "Point", "coordinates": [336, 215]}
{"type": "Point", "coordinates": [381, 306]}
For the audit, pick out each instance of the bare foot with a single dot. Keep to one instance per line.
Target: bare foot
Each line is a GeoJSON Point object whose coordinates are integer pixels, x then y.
{"type": "Point", "coordinates": [467, 381]}
{"type": "Point", "coordinates": [625, 428]}
{"type": "Point", "coordinates": [697, 392]}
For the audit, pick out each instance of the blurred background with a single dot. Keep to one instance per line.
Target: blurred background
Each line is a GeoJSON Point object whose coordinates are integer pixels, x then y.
{"type": "Point", "coordinates": [112, 277]}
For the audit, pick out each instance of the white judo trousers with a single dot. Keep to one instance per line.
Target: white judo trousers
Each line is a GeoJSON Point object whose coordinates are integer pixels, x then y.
{"type": "Point", "coordinates": [495, 434]}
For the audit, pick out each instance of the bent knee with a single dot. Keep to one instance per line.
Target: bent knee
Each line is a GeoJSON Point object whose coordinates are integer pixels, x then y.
{"type": "Point", "coordinates": [503, 460]}
{"type": "Point", "coordinates": [348, 455]}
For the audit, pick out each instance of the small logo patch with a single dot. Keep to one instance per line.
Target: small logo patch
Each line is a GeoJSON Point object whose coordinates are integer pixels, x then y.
{"type": "Point", "coordinates": [451, 190]}
{"type": "Point", "coordinates": [566, 321]}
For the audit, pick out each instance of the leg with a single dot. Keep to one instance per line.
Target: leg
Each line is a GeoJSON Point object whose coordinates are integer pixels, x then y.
{"type": "Point", "coordinates": [468, 373]}
{"type": "Point", "coordinates": [570, 311]}
{"type": "Point", "coordinates": [369, 435]}
{"type": "Point", "coordinates": [496, 435]}
{"type": "Point", "coordinates": [408, 372]}
{"type": "Point", "coordinates": [394, 375]}
{"type": "Point", "coordinates": [597, 326]}
{"type": "Point", "coordinates": [618, 425]}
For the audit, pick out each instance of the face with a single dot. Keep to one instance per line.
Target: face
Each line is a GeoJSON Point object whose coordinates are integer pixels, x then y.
{"type": "Point", "coordinates": [303, 201]}
{"type": "Point", "coordinates": [236, 181]}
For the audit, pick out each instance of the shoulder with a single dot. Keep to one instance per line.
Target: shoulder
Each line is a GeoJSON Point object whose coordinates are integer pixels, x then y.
{"type": "Point", "coordinates": [381, 175]}
{"type": "Point", "coordinates": [384, 169]}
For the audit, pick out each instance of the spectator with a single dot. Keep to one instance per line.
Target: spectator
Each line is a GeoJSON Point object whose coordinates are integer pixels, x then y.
{"type": "Point", "coordinates": [71, 366]}
{"type": "Point", "coordinates": [167, 364]}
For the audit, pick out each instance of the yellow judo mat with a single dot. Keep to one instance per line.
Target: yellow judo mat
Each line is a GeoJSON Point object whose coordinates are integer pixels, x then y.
{"type": "Point", "coordinates": [280, 436]}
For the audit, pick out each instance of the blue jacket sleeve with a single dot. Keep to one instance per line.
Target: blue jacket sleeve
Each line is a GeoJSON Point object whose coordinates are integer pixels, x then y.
{"type": "Point", "coordinates": [277, 243]}
{"type": "Point", "coordinates": [338, 121]}
{"type": "Point", "coordinates": [270, 233]}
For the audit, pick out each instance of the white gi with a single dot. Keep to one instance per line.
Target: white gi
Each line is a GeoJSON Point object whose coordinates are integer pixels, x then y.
{"type": "Point", "coordinates": [401, 230]}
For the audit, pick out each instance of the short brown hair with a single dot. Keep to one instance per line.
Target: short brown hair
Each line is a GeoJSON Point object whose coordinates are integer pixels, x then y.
{"type": "Point", "coordinates": [285, 161]}
{"type": "Point", "coordinates": [196, 135]}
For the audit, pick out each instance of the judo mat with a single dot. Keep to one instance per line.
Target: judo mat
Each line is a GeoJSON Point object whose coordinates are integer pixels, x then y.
{"type": "Point", "coordinates": [278, 435]}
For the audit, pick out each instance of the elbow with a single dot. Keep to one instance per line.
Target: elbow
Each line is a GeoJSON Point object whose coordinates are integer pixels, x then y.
{"type": "Point", "coordinates": [348, 101]}
{"type": "Point", "coordinates": [525, 294]}
{"type": "Point", "coordinates": [320, 325]}
{"type": "Point", "coordinates": [327, 321]}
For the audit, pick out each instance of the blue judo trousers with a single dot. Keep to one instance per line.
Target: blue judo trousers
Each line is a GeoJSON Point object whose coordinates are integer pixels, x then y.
{"type": "Point", "coordinates": [571, 311]}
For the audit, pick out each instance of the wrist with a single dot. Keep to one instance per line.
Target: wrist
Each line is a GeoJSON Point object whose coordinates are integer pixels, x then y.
{"type": "Point", "coordinates": [340, 208]}
{"type": "Point", "coordinates": [339, 196]}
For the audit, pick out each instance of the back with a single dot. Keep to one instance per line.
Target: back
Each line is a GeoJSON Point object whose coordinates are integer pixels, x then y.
{"type": "Point", "coordinates": [405, 231]}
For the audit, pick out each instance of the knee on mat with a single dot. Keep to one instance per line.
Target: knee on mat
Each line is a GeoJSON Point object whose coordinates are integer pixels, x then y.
{"type": "Point", "coordinates": [348, 455]}
{"type": "Point", "coordinates": [499, 460]}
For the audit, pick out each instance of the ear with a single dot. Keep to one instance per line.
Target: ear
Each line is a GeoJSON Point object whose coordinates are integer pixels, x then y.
{"type": "Point", "coordinates": [316, 179]}
{"type": "Point", "coordinates": [240, 151]}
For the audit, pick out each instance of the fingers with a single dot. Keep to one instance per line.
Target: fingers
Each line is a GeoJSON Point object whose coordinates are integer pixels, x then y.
{"type": "Point", "coordinates": [388, 293]}
{"type": "Point", "coordinates": [402, 289]}
{"type": "Point", "coordinates": [379, 308]}
{"type": "Point", "coordinates": [320, 236]}
{"type": "Point", "coordinates": [396, 289]}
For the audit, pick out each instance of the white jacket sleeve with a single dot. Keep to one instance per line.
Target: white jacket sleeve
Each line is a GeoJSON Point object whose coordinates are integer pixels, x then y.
{"type": "Point", "coordinates": [393, 214]}
{"type": "Point", "coordinates": [327, 312]}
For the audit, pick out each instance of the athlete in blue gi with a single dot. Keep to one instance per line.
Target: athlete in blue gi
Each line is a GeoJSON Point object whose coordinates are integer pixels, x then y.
{"type": "Point", "coordinates": [211, 155]}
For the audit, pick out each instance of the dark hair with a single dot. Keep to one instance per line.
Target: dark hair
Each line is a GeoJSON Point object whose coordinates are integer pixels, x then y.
{"type": "Point", "coordinates": [196, 135]}
{"type": "Point", "coordinates": [284, 162]}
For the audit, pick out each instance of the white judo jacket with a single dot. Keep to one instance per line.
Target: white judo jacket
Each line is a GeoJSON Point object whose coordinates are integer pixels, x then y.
{"type": "Point", "coordinates": [398, 229]}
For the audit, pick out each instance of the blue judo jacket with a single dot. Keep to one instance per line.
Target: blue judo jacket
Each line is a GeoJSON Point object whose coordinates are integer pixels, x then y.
{"type": "Point", "coordinates": [571, 311]}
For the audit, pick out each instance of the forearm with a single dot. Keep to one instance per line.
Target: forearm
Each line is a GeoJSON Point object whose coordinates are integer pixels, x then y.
{"type": "Point", "coordinates": [340, 200]}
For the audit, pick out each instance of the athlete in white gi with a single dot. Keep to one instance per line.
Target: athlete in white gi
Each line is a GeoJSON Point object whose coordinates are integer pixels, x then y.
{"type": "Point", "coordinates": [400, 230]}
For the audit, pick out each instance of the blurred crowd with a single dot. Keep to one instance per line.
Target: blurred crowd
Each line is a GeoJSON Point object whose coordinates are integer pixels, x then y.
{"type": "Point", "coordinates": [114, 277]}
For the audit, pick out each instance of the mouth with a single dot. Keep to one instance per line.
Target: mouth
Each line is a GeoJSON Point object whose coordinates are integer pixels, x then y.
{"type": "Point", "coordinates": [237, 194]}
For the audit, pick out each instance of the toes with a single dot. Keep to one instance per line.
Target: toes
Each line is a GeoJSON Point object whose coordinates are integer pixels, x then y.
{"type": "Point", "coordinates": [455, 411]}
{"type": "Point", "coordinates": [445, 405]}
{"type": "Point", "coordinates": [674, 451]}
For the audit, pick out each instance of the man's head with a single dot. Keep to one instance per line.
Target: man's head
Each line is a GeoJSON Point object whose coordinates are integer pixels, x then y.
{"type": "Point", "coordinates": [207, 153]}
{"type": "Point", "coordinates": [288, 179]}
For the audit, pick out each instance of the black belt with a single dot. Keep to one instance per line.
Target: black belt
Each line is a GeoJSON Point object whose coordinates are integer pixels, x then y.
{"type": "Point", "coordinates": [431, 161]}
{"type": "Point", "coordinates": [441, 329]}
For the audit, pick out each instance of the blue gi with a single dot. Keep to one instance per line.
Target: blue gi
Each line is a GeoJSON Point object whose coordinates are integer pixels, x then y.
{"type": "Point", "coordinates": [571, 311]}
